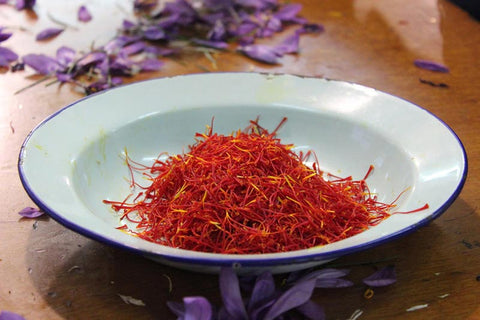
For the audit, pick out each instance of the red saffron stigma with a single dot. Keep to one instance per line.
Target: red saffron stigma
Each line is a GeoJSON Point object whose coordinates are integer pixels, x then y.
{"type": "Point", "coordinates": [246, 193]}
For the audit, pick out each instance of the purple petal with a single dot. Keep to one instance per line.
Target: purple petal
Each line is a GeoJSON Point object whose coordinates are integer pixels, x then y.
{"type": "Point", "coordinates": [92, 58]}
{"type": "Point", "coordinates": [430, 65]}
{"type": "Point", "coordinates": [218, 32]}
{"type": "Point", "coordinates": [127, 24]}
{"type": "Point", "coordinates": [263, 291]}
{"type": "Point", "coordinates": [288, 12]}
{"type": "Point", "coordinates": [133, 48]}
{"type": "Point", "coordinates": [7, 315]}
{"type": "Point", "coordinates": [383, 277]}
{"type": "Point", "coordinates": [231, 296]}
{"type": "Point", "coordinates": [324, 274]}
{"type": "Point", "coordinates": [289, 44]}
{"type": "Point", "coordinates": [294, 297]}
{"type": "Point", "coordinates": [30, 212]}
{"type": "Point", "coordinates": [181, 11]}
{"type": "Point", "coordinates": [211, 44]}
{"type": "Point", "coordinates": [24, 4]}
{"type": "Point", "coordinates": [197, 308]}
{"type": "Point", "coordinates": [4, 36]}
{"type": "Point", "coordinates": [83, 14]}
{"type": "Point", "coordinates": [65, 55]}
{"type": "Point", "coordinates": [333, 283]}
{"type": "Point", "coordinates": [41, 63]}
{"type": "Point", "coordinates": [154, 33]}
{"type": "Point", "coordinates": [150, 65]}
{"type": "Point", "coordinates": [64, 77]}
{"type": "Point", "coordinates": [177, 308]}
{"type": "Point", "coordinates": [7, 55]}
{"type": "Point", "coordinates": [261, 52]}
{"type": "Point", "coordinates": [48, 33]}
{"type": "Point", "coordinates": [160, 51]}
{"type": "Point", "coordinates": [312, 310]}
{"type": "Point", "coordinates": [244, 28]}
{"type": "Point", "coordinates": [144, 5]}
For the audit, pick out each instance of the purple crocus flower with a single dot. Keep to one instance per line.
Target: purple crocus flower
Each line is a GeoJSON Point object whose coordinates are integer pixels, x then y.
{"type": "Point", "coordinates": [84, 14]}
{"type": "Point", "coordinates": [430, 65]}
{"type": "Point", "coordinates": [8, 315]}
{"type": "Point", "coordinates": [30, 212]}
{"type": "Point", "coordinates": [48, 33]}
{"type": "Point", "coordinates": [383, 277]}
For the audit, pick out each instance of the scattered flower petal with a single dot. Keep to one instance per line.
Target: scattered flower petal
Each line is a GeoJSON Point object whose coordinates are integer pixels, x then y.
{"type": "Point", "coordinates": [133, 301]}
{"type": "Point", "coordinates": [231, 296]}
{"type": "Point", "coordinates": [312, 310]}
{"type": "Point", "coordinates": [382, 277]}
{"type": "Point", "coordinates": [7, 315]}
{"type": "Point", "coordinates": [24, 4]}
{"type": "Point", "coordinates": [261, 52]}
{"type": "Point", "coordinates": [65, 56]}
{"type": "Point", "coordinates": [30, 212]}
{"type": "Point", "coordinates": [7, 56]}
{"type": "Point", "coordinates": [150, 65]}
{"type": "Point", "coordinates": [41, 63]}
{"type": "Point", "coordinates": [289, 45]}
{"type": "Point", "coordinates": [48, 33]}
{"type": "Point", "coordinates": [263, 291]}
{"type": "Point", "coordinates": [197, 308]}
{"type": "Point", "coordinates": [294, 297]}
{"type": "Point", "coordinates": [4, 35]}
{"type": "Point", "coordinates": [430, 65]}
{"type": "Point", "coordinates": [288, 12]}
{"type": "Point", "coordinates": [84, 14]}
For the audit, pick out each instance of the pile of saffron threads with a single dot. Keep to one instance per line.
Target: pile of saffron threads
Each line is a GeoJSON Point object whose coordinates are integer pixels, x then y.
{"type": "Point", "coordinates": [246, 193]}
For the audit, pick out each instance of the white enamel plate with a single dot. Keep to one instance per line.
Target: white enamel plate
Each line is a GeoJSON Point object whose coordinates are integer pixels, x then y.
{"type": "Point", "coordinates": [73, 160]}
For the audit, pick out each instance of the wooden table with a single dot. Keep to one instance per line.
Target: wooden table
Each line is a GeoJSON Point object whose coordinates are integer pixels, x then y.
{"type": "Point", "coordinates": [50, 272]}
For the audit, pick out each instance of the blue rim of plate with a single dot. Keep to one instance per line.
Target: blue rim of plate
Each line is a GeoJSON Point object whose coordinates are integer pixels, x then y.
{"type": "Point", "coordinates": [241, 260]}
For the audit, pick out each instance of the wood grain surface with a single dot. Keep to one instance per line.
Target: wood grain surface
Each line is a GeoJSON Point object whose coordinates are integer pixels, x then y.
{"type": "Point", "coordinates": [50, 272]}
